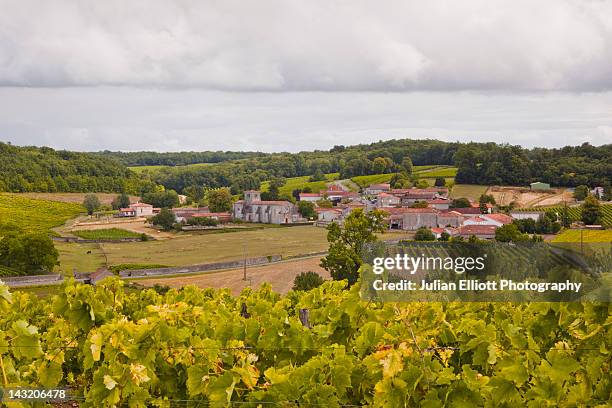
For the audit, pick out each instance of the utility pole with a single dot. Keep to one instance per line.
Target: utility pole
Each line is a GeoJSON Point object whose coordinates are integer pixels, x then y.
{"type": "Point", "coordinates": [244, 261]}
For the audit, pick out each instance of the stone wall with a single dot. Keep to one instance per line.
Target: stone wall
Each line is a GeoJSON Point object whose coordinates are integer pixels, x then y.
{"type": "Point", "coordinates": [32, 280]}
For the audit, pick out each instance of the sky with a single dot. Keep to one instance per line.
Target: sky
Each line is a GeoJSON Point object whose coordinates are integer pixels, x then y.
{"type": "Point", "coordinates": [290, 75]}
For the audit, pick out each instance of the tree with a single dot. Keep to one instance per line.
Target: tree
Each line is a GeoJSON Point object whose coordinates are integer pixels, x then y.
{"type": "Point", "coordinates": [510, 233]}
{"type": "Point", "coordinates": [400, 180]}
{"type": "Point", "coordinates": [219, 200]}
{"type": "Point", "coordinates": [566, 220]}
{"type": "Point", "coordinates": [307, 281]}
{"type": "Point", "coordinates": [581, 192]}
{"type": "Point", "coordinates": [424, 234]}
{"type": "Point", "coordinates": [591, 211]}
{"type": "Point", "coordinates": [31, 253]}
{"type": "Point", "coordinates": [419, 204]}
{"type": "Point", "coordinates": [306, 209]}
{"type": "Point", "coordinates": [91, 203]}
{"type": "Point", "coordinates": [162, 199]}
{"type": "Point", "coordinates": [422, 184]}
{"type": "Point", "coordinates": [346, 243]}
{"type": "Point", "coordinates": [317, 176]}
{"type": "Point", "coordinates": [325, 203]}
{"type": "Point", "coordinates": [379, 165]}
{"type": "Point", "coordinates": [460, 203]}
{"type": "Point", "coordinates": [444, 236]}
{"type": "Point", "coordinates": [121, 201]}
{"type": "Point", "coordinates": [165, 219]}
{"type": "Point", "coordinates": [440, 182]}
{"type": "Point", "coordinates": [407, 164]}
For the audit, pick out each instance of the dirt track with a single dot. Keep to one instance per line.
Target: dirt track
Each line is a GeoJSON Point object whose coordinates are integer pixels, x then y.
{"type": "Point", "coordinates": [279, 275]}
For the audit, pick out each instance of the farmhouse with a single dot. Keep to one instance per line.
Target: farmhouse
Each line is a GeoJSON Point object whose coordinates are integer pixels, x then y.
{"type": "Point", "coordinates": [496, 220]}
{"type": "Point", "coordinates": [252, 209]}
{"type": "Point", "coordinates": [479, 231]}
{"type": "Point", "coordinates": [138, 210]}
{"type": "Point", "coordinates": [327, 215]}
{"type": "Point", "coordinates": [439, 203]}
{"type": "Point", "coordinates": [183, 214]}
{"type": "Point", "coordinates": [452, 218]}
{"type": "Point", "coordinates": [523, 215]}
{"type": "Point", "coordinates": [468, 211]}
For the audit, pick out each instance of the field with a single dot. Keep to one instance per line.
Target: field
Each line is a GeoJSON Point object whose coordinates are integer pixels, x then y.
{"type": "Point", "coordinates": [294, 183]}
{"type": "Point", "coordinates": [471, 191]}
{"type": "Point", "coordinates": [191, 249]}
{"type": "Point", "coordinates": [280, 275]}
{"type": "Point", "coordinates": [587, 236]}
{"type": "Point", "coordinates": [35, 215]}
{"type": "Point", "coordinates": [77, 198]}
{"type": "Point", "coordinates": [575, 212]}
{"type": "Point", "coordinates": [79, 257]}
{"type": "Point", "coordinates": [111, 233]}
{"type": "Point", "coordinates": [524, 197]}
{"type": "Point", "coordinates": [429, 172]}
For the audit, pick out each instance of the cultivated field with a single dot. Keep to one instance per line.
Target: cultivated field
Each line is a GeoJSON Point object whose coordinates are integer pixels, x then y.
{"type": "Point", "coordinates": [35, 215]}
{"type": "Point", "coordinates": [82, 257]}
{"type": "Point", "coordinates": [110, 233]}
{"type": "Point", "coordinates": [524, 197]}
{"type": "Point", "coordinates": [134, 225]}
{"type": "Point", "coordinates": [587, 236]}
{"type": "Point", "coordinates": [280, 275]}
{"type": "Point", "coordinates": [105, 198]}
{"type": "Point", "coordinates": [470, 191]}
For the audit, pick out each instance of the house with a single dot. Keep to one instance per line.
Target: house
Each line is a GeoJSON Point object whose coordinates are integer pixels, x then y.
{"type": "Point", "coordinates": [468, 211]}
{"type": "Point", "coordinates": [252, 209]}
{"type": "Point", "coordinates": [439, 203]}
{"type": "Point", "coordinates": [312, 197]}
{"type": "Point", "coordinates": [414, 218]}
{"type": "Point", "coordinates": [221, 217]}
{"type": "Point", "coordinates": [184, 213]}
{"type": "Point", "coordinates": [523, 215]}
{"type": "Point", "coordinates": [138, 210]}
{"type": "Point", "coordinates": [538, 185]}
{"type": "Point", "coordinates": [374, 189]}
{"type": "Point", "coordinates": [496, 220]}
{"type": "Point", "coordinates": [438, 232]}
{"type": "Point", "coordinates": [339, 195]}
{"type": "Point", "coordinates": [386, 200]}
{"type": "Point", "coordinates": [413, 195]}
{"type": "Point", "coordinates": [328, 215]}
{"type": "Point", "coordinates": [479, 231]}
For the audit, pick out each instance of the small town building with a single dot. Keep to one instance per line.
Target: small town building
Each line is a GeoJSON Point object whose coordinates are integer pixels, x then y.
{"type": "Point", "coordinates": [523, 215]}
{"type": "Point", "coordinates": [468, 211]}
{"type": "Point", "coordinates": [538, 185]}
{"type": "Point", "coordinates": [374, 189]}
{"type": "Point", "coordinates": [253, 209]}
{"type": "Point", "coordinates": [387, 200]}
{"type": "Point", "coordinates": [138, 210]}
{"type": "Point", "coordinates": [184, 213]}
{"type": "Point", "coordinates": [312, 197]}
{"type": "Point", "coordinates": [450, 218]}
{"type": "Point", "coordinates": [496, 220]}
{"type": "Point", "coordinates": [479, 231]}
{"type": "Point", "coordinates": [439, 203]}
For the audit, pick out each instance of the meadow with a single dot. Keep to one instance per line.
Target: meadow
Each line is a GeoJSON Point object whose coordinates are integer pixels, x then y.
{"type": "Point", "coordinates": [428, 173]}
{"type": "Point", "coordinates": [471, 191]}
{"type": "Point", "coordinates": [35, 215]}
{"type": "Point", "coordinates": [110, 233]}
{"type": "Point", "coordinates": [302, 182]}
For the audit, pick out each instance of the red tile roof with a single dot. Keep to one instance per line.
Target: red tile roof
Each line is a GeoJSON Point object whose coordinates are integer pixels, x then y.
{"type": "Point", "coordinates": [477, 230]}
{"type": "Point", "coordinates": [310, 195]}
{"type": "Point", "coordinates": [140, 205]}
{"type": "Point", "coordinates": [503, 218]}
{"type": "Point", "coordinates": [468, 210]}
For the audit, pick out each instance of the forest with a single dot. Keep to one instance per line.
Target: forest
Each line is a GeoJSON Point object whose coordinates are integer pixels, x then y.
{"type": "Point", "coordinates": [45, 169]}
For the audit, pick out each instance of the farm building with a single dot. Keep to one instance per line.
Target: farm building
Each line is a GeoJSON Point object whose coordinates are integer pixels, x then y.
{"type": "Point", "coordinates": [523, 215]}
{"type": "Point", "coordinates": [538, 185]}
{"type": "Point", "coordinates": [387, 200]}
{"type": "Point", "coordinates": [138, 210]}
{"type": "Point", "coordinates": [479, 231]}
{"type": "Point", "coordinates": [312, 197]}
{"type": "Point", "coordinates": [375, 189]}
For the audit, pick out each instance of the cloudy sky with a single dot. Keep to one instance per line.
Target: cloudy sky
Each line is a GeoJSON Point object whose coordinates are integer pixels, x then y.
{"type": "Point", "coordinates": [288, 75]}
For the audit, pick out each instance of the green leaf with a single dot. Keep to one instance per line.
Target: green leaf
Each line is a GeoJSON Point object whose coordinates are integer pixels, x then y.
{"type": "Point", "coordinates": [50, 374]}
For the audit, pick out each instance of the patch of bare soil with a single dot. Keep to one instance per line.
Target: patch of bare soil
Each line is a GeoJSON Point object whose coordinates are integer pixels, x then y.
{"type": "Point", "coordinates": [280, 275]}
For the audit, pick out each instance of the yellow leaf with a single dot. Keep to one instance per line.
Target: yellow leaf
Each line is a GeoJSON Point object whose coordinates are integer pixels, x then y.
{"type": "Point", "coordinates": [109, 382]}
{"type": "Point", "coordinates": [139, 373]}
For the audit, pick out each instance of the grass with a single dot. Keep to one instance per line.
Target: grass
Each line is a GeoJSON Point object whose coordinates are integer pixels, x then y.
{"type": "Point", "coordinates": [471, 191]}
{"type": "Point", "coordinates": [77, 198]}
{"type": "Point", "coordinates": [203, 248]}
{"type": "Point", "coordinates": [35, 215]}
{"type": "Point", "coordinates": [294, 183]}
{"type": "Point", "coordinates": [438, 172]}
{"type": "Point", "coordinates": [75, 256]}
{"type": "Point", "coordinates": [111, 233]}
{"type": "Point", "coordinates": [573, 235]}
{"type": "Point", "coordinates": [365, 181]}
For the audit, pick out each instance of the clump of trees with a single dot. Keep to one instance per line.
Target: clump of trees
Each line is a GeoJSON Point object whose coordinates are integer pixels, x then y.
{"type": "Point", "coordinates": [165, 219]}
{"type": "Point", "coordinates": [591, 211]}
{"type": "Point", "coordinates": [424, 234]}
{"type": "Point", "coordinates": [219, 200]}
{"type": "Point", "coordinates": [28, 252]}
{"type": "Point", "coordinates": [162, 199]}
{"type": "Point", "coordinates": [307, 281]}
{"type": "Point", "coordinates": [306, 209]}
{"type": "Point", "coordinates": [91, 203]}
{"type": "Point", "coordinates": [121, 201]}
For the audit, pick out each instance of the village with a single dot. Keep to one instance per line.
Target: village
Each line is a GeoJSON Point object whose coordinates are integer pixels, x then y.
{"type": "Point", "coordinates": [406, 209]}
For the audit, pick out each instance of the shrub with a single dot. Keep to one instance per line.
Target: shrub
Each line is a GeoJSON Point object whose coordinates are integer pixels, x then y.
{"type": "Point", "coordinates": [307, 280]}
{"type": "Point", "coordinates": [424, 234]}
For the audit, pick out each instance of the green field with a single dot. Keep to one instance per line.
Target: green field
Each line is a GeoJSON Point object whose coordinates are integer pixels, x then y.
{"type": "Point", "coordinates": [35, 215]}
{"type": "Point", "coordinates": [294, 183]}
{"type": "Point", "coordinates": [111, 233]}
{"type": "Point", "coordinates": [573, 235]}
{"type": "Point", "coordinates": [471, 191]}
{"type": "Point", "coordinates": [575, 212]}
{"type": "Point", "coordinates": [75, 256]}
{"type": "Point", "coordinates": [428, 173]}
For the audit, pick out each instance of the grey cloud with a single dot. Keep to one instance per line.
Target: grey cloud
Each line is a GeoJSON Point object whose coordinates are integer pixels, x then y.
{"type": "Point", "coordinates": [295, 45]}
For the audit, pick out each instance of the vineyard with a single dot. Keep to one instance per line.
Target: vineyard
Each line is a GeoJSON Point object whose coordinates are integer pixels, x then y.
{"type": "Point", "coordinates": [35, 215]}
{"type": "Point", "coordinates": [575, 212]}
{"type": "Point", "coordinates": [110, 233]}
{"type": "Point", "coordinates": [322, 348]}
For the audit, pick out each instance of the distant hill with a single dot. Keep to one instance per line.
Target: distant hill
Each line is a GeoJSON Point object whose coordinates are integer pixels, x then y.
{"type": "Point", "coordinates": [42, 169]}
{"type": "Point", "coordinates": [131, 159]}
